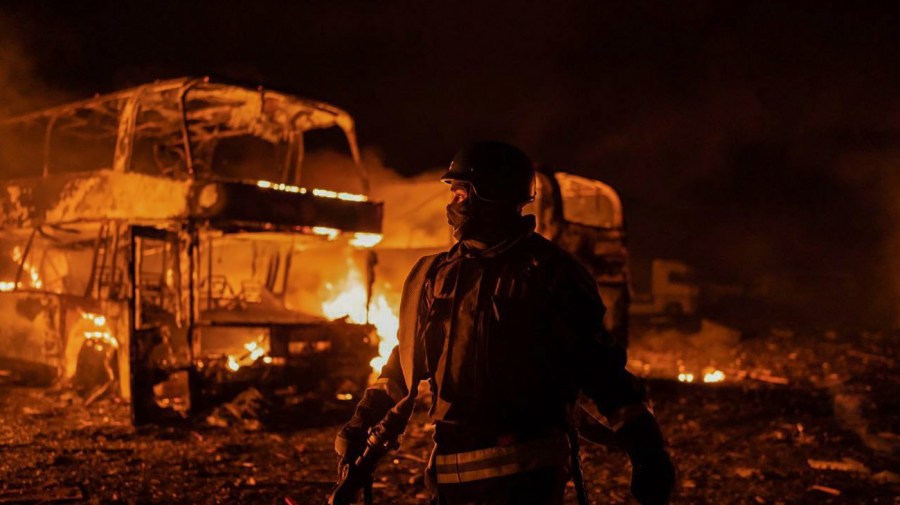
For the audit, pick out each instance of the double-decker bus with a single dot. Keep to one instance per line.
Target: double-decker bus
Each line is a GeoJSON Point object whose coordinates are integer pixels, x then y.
{"type": "Point", "coordinates": [181, 240]}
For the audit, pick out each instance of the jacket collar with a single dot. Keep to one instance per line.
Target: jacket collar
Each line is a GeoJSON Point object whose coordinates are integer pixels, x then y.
{"type": "Point", "coordinates": [524, 228]}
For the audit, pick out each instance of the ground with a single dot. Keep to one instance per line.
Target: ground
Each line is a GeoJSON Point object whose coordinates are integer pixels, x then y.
{"type": "Point", "coordinates": [799, 418]}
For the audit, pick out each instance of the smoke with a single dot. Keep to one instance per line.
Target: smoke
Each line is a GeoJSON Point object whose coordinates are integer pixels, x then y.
{"type": "Point", "coordinates": [414, 207]}
{"type": "Point", "coordinates": [21, 90]}
{"type": "Point", "coordinates": [876, 174]}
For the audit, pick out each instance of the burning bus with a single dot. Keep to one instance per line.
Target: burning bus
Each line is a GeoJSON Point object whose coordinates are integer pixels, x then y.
{"type": "Point", "coordinates": [183, 239]}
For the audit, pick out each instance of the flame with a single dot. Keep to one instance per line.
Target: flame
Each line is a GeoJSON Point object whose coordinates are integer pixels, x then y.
{"type": "Point", "coordinates": [710, 375]}
{"type": "Point", "coordinates": [255, 351]}
{"type": "Point", "coordinates": [714, 376]}
{"type": "Point", "coordinates": [350, 302]}
{"type": "Point", "coordinates": [331, 233]}
{"type": "Point", "coordinates": [324, 193]}
{"type": "Point", "coordinates": [100, 332]}
{"type": "Point", "coordinates": [366, 239]}
{"type": "Point", "coordinates": [30, 270]}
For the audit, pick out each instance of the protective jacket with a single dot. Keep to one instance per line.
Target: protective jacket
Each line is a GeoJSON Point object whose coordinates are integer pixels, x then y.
{"type": "Point", "coordinates": [507, 337]}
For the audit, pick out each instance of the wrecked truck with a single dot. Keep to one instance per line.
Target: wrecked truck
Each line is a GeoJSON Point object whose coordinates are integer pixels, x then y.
{"type": "Point", "coordinates": [584, 217]}
{"type": "Point", "coordinates": [182, 240]}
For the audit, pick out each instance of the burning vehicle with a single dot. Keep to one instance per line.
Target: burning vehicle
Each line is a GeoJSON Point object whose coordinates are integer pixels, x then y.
{"type": "Point", "coordinates": [184, 239]}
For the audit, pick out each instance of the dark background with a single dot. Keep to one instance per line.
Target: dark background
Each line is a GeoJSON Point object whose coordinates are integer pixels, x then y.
{"type": "Point", "coordinates": [758, 141]}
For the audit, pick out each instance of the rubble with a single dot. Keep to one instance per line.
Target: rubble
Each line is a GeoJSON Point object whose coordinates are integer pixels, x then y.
{"type": "Point", "coordinates": [244, 411]}
{"type": "Point", "coordinates": [737, 438]}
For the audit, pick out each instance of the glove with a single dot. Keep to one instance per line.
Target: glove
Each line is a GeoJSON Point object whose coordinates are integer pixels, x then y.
{"type": "Point", "coordinates": [351, 439]}
{"type": "Point", "coordinates": [653, 479]}
{"type": "Point", "coordinates": [652, 473]}
{"type": "Point", "coordinates": [349, 446]}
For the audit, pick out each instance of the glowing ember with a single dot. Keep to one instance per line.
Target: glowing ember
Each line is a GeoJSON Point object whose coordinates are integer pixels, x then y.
{"type": "Point", "coordinates": [350, 302]}
{"type": "Point", "coordinates": [7, 285]}
{"type": "Point", "coordinates": [714, 376]}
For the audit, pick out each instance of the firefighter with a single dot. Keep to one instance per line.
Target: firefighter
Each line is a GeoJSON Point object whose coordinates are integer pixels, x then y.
{"type": "Point", "coordinates": [507, 329]}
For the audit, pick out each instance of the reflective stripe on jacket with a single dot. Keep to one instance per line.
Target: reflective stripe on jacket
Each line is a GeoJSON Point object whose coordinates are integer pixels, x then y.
{"type": "Point", "coordinates": [502, 461]}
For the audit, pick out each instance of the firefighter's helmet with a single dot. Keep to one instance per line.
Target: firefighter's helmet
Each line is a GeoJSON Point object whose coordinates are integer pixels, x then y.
{"type": "Point", "coordinates": [497, 172]}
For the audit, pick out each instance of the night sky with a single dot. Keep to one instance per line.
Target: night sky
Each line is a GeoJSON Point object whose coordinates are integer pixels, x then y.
{"type": "Point", "coordinates": [758, 141]}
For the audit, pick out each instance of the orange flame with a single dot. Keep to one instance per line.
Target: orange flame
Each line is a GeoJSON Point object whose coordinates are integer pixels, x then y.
{"type": "Point", "coordinates": [713, 375]}
{"type": "Point", "coordinates": [710, 375]}
{"type": "Point", "coordinates": [100, 332]}
{"type": "Point", "coordinates": [349, 300]}
{"type": "Point", "coordinates": [255, 351]}
{"type": "Point", "coordinates": [30, 270]}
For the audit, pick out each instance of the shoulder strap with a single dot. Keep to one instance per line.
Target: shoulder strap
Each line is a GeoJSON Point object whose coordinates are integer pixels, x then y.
{"type": "Point", "coordinates": [408, 332]}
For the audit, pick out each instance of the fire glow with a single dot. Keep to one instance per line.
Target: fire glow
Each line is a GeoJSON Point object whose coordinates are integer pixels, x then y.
{"type": "Point", "coordinates": [100, 333]}
{"type": "Point", "coordinates": [323, 193]}
{"type": "Point", "coordinates": [714, 376]}
{"type": "Point", "coordinates": [349, 301]}
{"type": "Point", "coordinates": [710, 375]}
{"type": "Point", "coordinates": [27, 268]}
{"type": "Point", "coordinates": [255, 351]}
{"type": "Point", "coordinates": [365, 240]}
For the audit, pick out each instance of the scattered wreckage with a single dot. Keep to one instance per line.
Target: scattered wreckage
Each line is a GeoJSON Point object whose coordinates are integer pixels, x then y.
{"type": "Point", "coordinates": [182, 240]}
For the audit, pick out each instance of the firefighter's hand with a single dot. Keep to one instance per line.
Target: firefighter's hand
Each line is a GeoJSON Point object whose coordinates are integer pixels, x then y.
{"type": "Point", "coordinates": [652, 474]}
{"type": "Point", "coordinates": [653, 479]}
{"type": "Point", "coordinates": [349, 445]}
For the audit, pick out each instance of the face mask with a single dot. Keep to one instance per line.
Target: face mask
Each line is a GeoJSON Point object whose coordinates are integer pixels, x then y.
{"type": "Point", "coordinates": [477, 219]}
{"type": "Point", "coordinates": [460, 217]}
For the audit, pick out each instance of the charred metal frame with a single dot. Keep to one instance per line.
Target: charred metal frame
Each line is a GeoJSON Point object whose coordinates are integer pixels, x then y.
{"type": "Point", "coordinates": [603, 250]}
{"type": "Point", "coordinates": [199, 200]}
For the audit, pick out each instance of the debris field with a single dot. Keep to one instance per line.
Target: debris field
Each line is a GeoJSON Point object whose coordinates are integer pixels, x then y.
{"type": "Point", "coordinates": [798, 418]}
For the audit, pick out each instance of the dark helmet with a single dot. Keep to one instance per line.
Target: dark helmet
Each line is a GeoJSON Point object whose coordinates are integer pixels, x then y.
{"type": "Point", "coordinates": [497, 171]}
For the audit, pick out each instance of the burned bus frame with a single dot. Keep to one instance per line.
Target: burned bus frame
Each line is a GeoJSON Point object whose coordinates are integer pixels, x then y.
{"type": "Point", "coordinates": [148, 211]}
